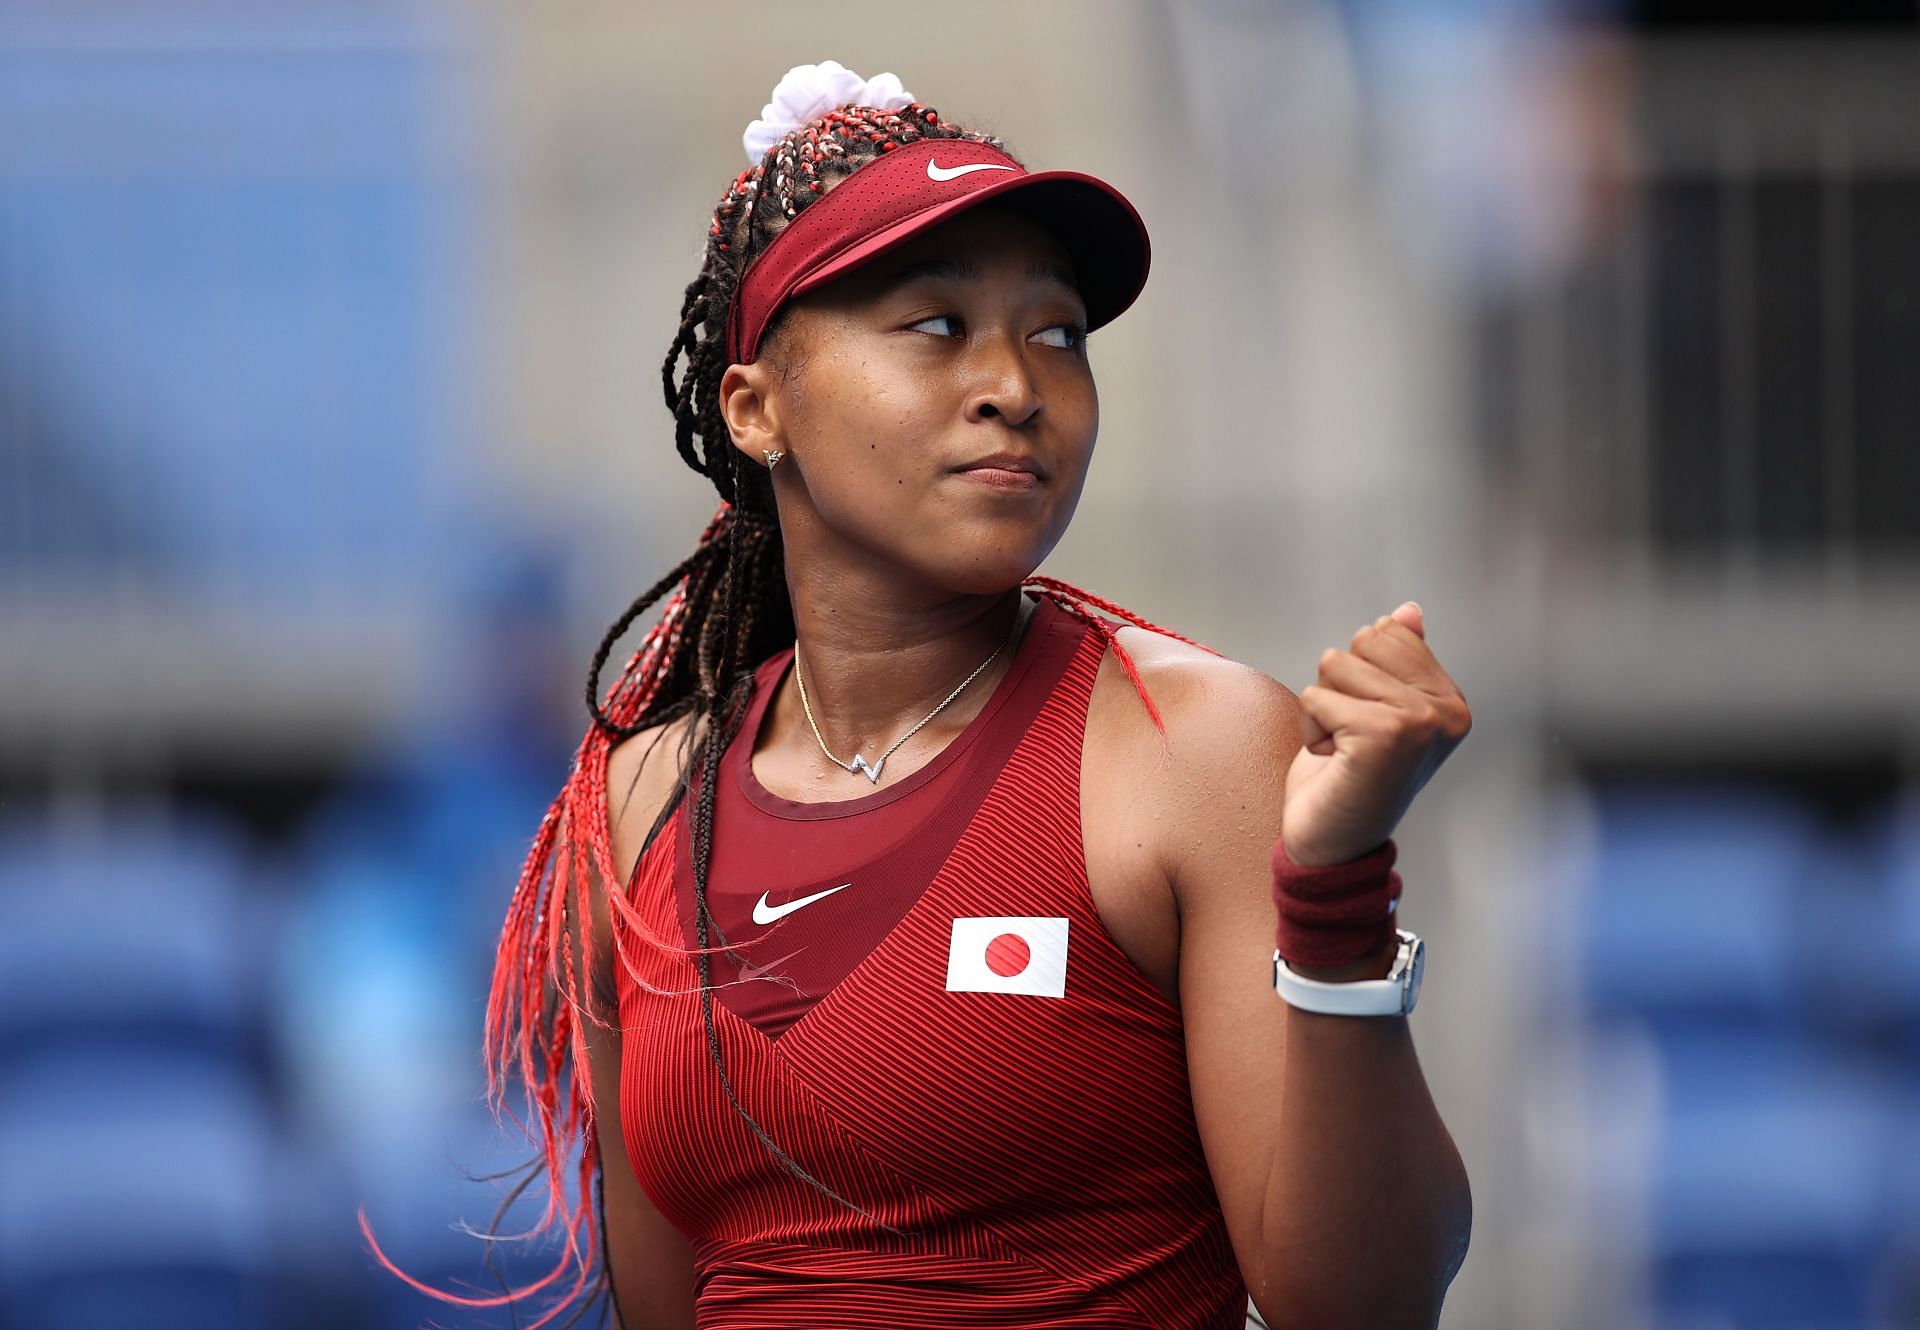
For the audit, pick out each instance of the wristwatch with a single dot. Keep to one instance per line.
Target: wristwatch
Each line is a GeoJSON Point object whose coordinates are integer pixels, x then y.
{"type": "Point", "coordinates": [1391, 996]}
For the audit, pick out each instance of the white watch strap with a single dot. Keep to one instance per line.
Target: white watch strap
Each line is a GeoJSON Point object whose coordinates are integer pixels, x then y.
{"type": "Point", "coordinates": [1391, 996]}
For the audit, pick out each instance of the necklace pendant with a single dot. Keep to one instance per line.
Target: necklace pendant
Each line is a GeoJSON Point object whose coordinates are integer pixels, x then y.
{"type": "Point", "coordinates": [859, 764]}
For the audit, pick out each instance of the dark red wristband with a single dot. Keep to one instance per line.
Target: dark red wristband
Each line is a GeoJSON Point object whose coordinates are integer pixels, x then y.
{"type": "Point", "coordinates": [1336, 914]}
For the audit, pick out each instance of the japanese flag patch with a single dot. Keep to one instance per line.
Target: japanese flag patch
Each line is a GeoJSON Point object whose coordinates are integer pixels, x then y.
{"type": "Point", "coordinates": [1008, 954]}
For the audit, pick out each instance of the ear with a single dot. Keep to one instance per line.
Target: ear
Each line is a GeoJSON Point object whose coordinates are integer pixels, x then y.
{"type": "Point", "coordinates": [750, 405]}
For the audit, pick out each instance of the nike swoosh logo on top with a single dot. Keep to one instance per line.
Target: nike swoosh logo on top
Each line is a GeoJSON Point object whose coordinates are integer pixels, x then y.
{"type": "Point", "coordinates": [935, 171]}
{"type": "Point", "coordinates": [764, 913]}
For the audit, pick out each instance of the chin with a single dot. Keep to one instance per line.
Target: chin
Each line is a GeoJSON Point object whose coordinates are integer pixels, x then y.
{"type": "Point", "coordinates": [988, 586]}
{"type": "Point", "coordinates": [991, 569]}
{"type": "Point", "coordinates": [962, 551]}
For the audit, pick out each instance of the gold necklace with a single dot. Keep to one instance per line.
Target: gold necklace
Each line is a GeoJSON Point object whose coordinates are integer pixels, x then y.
{"type": "Point", "coordinates": [859, 762]}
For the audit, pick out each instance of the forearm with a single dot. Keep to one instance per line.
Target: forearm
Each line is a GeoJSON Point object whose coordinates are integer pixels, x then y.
{"type": "Point", "coordinates": [1367, 1209]}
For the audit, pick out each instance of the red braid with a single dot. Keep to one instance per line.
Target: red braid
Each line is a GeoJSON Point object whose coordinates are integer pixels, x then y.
{"type": "Point", "coordinates": [1072, 599]}
{"type": "Point", "coordinates": [532, 1005]}
{"type": "Point", "coordinates": [535, 998]}
{"type": "Point", "coordinates": [536, 993]}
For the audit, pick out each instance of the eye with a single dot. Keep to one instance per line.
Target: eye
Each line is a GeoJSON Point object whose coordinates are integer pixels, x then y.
{"type": "Point", "coordinates": [1066, 336]}
{"type": "Point", "coordinates": [951, 320]}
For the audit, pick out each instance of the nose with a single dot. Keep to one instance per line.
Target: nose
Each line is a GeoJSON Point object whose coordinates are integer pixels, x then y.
{"type": "Point", "coordinates": [1002, 387]}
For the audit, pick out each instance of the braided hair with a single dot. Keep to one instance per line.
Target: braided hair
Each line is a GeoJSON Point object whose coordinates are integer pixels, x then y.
{"type": "Point", "coordinates": [727, 610]}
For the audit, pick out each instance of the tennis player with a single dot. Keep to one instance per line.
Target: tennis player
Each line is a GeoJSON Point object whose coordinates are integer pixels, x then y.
{"type": "Point", "coordinates": [982, 954]}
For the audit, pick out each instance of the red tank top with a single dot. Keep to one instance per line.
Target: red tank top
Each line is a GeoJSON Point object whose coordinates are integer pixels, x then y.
{"type": "Point", "coordinates": [934, 1023]}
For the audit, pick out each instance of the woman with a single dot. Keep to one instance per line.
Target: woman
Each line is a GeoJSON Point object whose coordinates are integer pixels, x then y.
{"type": "Point", "coordinates": [939, 990]}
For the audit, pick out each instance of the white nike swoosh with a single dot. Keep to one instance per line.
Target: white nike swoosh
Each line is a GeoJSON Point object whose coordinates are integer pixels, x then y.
{"type": "Point", "coordinates": [935, 171]}
{"type": "Point", "coordinates": [764, 913]}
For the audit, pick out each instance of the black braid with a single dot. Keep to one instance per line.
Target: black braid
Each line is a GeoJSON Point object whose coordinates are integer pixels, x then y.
{"type": "Point", "coordinates": [730, 612]}
{"type": "Point", "coordinates": [719, 735]}
{"type": "Point", "coordinates": [698, 559]}
{"type": "Point", "coordinates": [736, 611]}
{"type": "Point", "coordinates": [729, 641]}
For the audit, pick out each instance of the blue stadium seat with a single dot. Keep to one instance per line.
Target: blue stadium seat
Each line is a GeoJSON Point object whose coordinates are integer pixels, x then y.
{"type": "Point", "coordinates": [1848, 977]}
{"type": "Point", "coordinates": [1765, 1290]}
{"type": "Point", "coordinates": [1856, 968]}
{"type": "Point", "coordinates": [1689, 903]}
{"type": "Point", "coordinates": [430, 1207]}
{"type": "Point", "coordinates": [134, 1176]}
{"type": "Point", "coordinates": [144, 933]}
{"type": "Point", "coordinates": [210, 314]}
{"type": "Point", "coordinates": [374, 1031]}
{"type": "Point", "coordinates": [1900, 1268]}
{"type": "Point", "coordinates": [1773, 1187]}
{"type": "Point", "coordinates": [1896, 842]}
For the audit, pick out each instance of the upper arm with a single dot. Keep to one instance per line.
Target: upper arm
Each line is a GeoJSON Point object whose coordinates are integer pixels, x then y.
{"type": "Point", "coordinates": [1232, 732]}
{"type": "Point", "coordinates": [649, 1261]}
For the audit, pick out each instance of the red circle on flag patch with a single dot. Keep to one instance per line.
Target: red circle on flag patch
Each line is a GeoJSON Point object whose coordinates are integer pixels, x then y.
{"type": "Point", "coordinates": [1008, 954]}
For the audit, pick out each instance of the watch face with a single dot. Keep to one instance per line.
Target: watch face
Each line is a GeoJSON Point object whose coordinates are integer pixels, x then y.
{"type": "Point", "coordinates": [1415, 967]}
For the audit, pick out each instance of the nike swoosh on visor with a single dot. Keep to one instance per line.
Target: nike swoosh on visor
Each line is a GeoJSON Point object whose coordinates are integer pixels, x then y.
{"type": "Point", "coordinates": [935, 171]}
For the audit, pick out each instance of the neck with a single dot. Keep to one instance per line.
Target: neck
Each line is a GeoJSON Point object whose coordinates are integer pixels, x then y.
{"type": "Point", "coordinates": [874, 667]}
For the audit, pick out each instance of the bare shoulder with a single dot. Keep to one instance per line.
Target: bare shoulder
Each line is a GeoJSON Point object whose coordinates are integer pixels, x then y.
{"type": "Point", "coordinates": [1156, 805]}
{"type": "Point", "coordinates": [1209, 703]}
{"type": "Point", "coordinates": [650, 1262]}
{"type": "Point", "coordinates": [643, 771]}
{"type": "Point", "coordinates": [1216, 775]}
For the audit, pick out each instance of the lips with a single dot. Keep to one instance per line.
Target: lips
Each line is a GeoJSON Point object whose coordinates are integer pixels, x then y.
{"type": "Point", "coordinates": [1005, 461]}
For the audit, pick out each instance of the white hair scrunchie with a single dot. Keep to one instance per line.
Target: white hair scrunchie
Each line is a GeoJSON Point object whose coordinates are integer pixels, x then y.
{"type": "Point", "coordinates": [806, 91]}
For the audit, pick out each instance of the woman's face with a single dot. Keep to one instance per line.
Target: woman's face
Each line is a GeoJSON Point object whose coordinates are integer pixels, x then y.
{"type": "Point", "coordinates": [889, 386]}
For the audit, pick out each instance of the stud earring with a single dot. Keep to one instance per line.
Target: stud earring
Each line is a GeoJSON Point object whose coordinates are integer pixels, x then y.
{"type": "Point", "coordinates": [773, 456]}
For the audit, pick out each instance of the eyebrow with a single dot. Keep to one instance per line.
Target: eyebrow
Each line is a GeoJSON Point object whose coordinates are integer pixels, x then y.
{"type": "Point", "coordinates": [955, 270]}
{"type": "Point", "coordinates": [1046, 270]}
{"type": "Point", "coordinates": [962, 270]}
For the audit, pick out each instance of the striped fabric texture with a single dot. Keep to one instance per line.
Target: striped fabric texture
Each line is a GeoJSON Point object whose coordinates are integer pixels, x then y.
{"type": "Point", "coordinates": [1034, 1141]}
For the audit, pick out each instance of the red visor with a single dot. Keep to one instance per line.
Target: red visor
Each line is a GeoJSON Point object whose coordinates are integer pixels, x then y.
{"type": "Point", "coordinates": [901, 193]}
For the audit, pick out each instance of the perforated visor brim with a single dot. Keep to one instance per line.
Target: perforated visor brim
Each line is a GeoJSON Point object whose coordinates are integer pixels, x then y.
{"type": "Point", "coordinates": [1102, 233]}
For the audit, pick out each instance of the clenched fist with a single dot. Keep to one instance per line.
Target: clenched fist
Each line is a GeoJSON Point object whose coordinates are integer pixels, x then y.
{"type": "Point", "coordinates": [1380, 721]}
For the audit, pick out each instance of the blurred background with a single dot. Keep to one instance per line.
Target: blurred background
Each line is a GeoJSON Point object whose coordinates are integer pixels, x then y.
{"type": "Point", "coordinates": [331, 439]}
